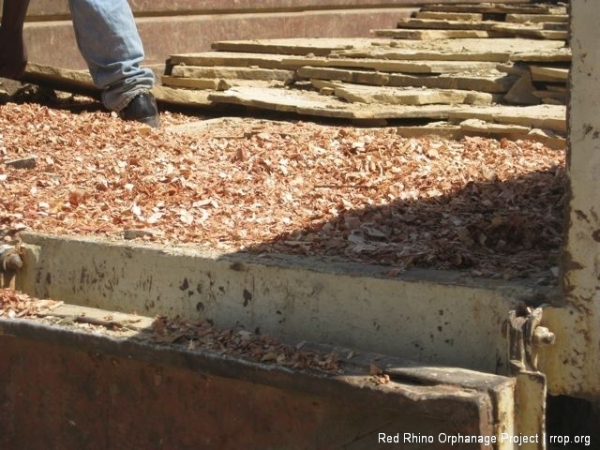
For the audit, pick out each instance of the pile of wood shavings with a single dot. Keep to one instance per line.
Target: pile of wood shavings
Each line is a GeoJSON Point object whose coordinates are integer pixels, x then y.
{"type": "Point", "coordinates": [262, 348]}
{"type": "Point", "coordinates": [15, 304]}
{"type": "Point", "coordinates": [494, 208]}
{"type": "Point", "coordinates": [195, 335]}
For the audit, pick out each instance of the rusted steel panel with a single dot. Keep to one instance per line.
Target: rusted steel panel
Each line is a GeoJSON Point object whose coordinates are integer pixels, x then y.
{"type": "Point", "coordinates": [74, 390]}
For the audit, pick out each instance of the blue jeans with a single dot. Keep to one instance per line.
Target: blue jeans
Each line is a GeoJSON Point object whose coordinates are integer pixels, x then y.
{"type": "Point", "coordinates": [109, 42]}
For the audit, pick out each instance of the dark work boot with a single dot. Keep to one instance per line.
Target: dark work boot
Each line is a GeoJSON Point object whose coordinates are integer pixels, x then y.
{"type": "Point", "coordinates": [142, 109]}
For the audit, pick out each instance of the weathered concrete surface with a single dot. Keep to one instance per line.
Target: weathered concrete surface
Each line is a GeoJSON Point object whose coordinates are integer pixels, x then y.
{"type": "Point", "coordinates": [575, 362]}
{"type": "Point", "coordinates": [181, 7]}
{"type": "Point", "coordinates": [434, 317]}
{"type": "Point", "coordinates": [53, 42]}
{"type": "Point", "coordinates": [193, 26]}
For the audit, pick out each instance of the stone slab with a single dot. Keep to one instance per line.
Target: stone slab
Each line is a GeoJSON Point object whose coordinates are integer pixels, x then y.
{"type": "Point", "coordinates": [75, 81]}
{"type": "Point", "coordinates": [552, 117]}
{"type": "Point", "coordinates": [517, 69]}
{"type": "Point", "coordinates": [497, 50]}
{"type": "Point", "coordinates": [313, 104]}
{"type": "Point", "coordinates": [537, 18]}
{"type": "Point", "coordinates": [380, 95]}
{"type": "Point", "coordinates": [563, 54]}
{"type": "Point", "coordinates": [537, 31]}
{"type": "Point", "coordinates": [413, 67]}
{"type": "Point", "coordinates": [242, 73]}
{"type": "Point", "coordinates": [448, 15]}
{"type": "Point", "coordinates": [348, 75]}
{"type": "Point", "coordinates": [296, 46]}
{"type": "Point", "coordinates": [423, 35]}
{"type": "Point", "coordinates": [560, 97]}
{"type": "Point", "coordinates": [231, 59]}
{"type": "Point", "coordinates": [521, 92]}
{"type": "Point", "coordinates": [490, 81]}
{"type": "Point", "coordinates": [79, 82]}
{"type": "Point", "coordinates": [513, 132]}
{"type": "Point", "coordinates": [213, 84]}
{"type": "Point", "coordinates": [532, 31]}
{"type": "Point", "coordinates": [543, 73]}
{"type": "Point", "coordinates": [427, 24]}
{"type": "Point", "coordinates": [497, 8]}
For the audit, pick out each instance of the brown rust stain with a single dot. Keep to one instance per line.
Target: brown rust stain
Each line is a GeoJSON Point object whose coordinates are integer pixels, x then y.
{"type": "Point", "coordinates": [94, 401]}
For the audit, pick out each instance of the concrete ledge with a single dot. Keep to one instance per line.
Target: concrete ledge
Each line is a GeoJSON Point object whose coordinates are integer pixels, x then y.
{"type": "Point", "coordinates": [439, 318]}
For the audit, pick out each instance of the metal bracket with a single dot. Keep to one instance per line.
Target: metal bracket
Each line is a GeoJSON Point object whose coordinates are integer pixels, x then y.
{"type": "Point", "coordinates": [10, 263]}
{"type": "Point", "coordinates": [525, 334]}
{"type": "Point", "coordinates": [10, 258]}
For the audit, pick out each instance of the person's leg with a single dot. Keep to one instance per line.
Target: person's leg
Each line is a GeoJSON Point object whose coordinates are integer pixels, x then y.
{"type": "Point", "coordinates": [109, 42]}
{"type": "Point", "coordinates": [13, 53]}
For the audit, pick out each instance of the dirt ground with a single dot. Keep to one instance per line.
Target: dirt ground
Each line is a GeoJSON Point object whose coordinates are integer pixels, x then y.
{"type": "Point", "coordinates": [492, 208]}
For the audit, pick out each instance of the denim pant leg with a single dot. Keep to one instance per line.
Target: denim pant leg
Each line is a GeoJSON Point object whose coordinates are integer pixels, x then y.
{"type": "Point", "coordinates": [109, 42]}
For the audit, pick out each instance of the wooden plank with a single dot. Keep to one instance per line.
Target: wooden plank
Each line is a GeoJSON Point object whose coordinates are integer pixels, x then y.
{"type": "Point", "coordinates": [414, 67]}
{"type": "Point", "coordinates": [285, 76]}
{"type": "Point", "coordinates": [313, 104]}
{"type": "Point", "coordinates": [391, 95]}
{"type": "Point", "coordinates": [296, 46]}
{"type": "Point", "coordinates": [552, 117]}
{"type": "Point", "coordinates": [492, 81]}
{"type": "Point", "coordinates": [423, 35]}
